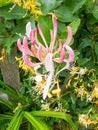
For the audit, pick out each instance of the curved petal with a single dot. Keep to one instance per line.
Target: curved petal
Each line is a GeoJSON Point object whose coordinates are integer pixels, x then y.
{"type": "Point", "coordinates": [42, 35]}
{"type": "Point", "coordinates": [70, 53]}
{"type": "Point", "coordinates": [26, 48]}
{"type": "Point", "coordinates": [28, 29]}
{"type": "Point", "coordinates": [54, 26]}
{"type": "Point", "coordinates": [33, 36]}
{"type": "Point", "coordinates": [53, 33]}
{"type": "Point", "coordinates": [39, 52]}
{"type": "Point", "coordinates": [52, 41]}
{"type": "Point", "coordinates": [69, 37]}
{"type": "Point", "coordinates": [19, 45]}
{"type": "Point", "coordinates": [27, 60]}
{"type": "Point", "coordinates": [62, 55]}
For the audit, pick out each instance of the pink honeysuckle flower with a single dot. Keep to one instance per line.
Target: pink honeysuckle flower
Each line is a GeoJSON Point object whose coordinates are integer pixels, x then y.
{"type": "Point", "coordinates": [46, 55]}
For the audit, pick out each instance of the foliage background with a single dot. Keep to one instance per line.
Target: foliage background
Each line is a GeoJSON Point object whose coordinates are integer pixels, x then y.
{"type": "Point", "coordinates": [82, 16]}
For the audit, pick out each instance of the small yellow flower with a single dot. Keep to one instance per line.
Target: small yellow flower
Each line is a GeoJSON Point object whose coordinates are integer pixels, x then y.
{"type": "Point", "coordinates": [45, 107]}
{"type": "Point", "coordinates": [74, 70]}
{"type": "Point", "coordinates": [96, 102]}
{"type": "Point", "coordinates": [18, 2]}
{"type": "Point", "coordinates": [49, 94]}
{"type": "Point", "coordinates": [81, 91]}
{"type": "Point", "coordinates": [84, 119]}
{"type": "Point", "coordinates": [68, 84]}
{"type": "Point", "coordinates": [24, 66]}
{"type": "Point", "coordinates": [95, 91]}
{"type": "Point", "coordinates": [57, 92]}
{"type": "Point", "coordinates": [31, 5]}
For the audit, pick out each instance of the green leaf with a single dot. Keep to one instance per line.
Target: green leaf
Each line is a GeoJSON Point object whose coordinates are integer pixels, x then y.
{"type": "Point", "coordinates": [78, 5]}
{"type": "Point", "coordinates": [7, 103]}
{"type": "Point", "coordinates": [64, 14]}
{"type": "Point", "coordinates": [8, 90]}
{"type": "Point", "coordinates": [5, 117]}
{"type": "Point", "coordinates": [89, 5]}
{"type": "Point", "coordinates": [75, 25]}
{"type": "Point", "coordinates": [46, 25]}
{"type": "Point", "coordinates": [95, 13]}
{"type": "Point", "coordinates": [16, 120]}
{"type": "Point", "coordinates": [5, 2]}
{"type": "Point", "coordinates": [93, 17]}
{"type": "Point", "coordinates": [37, 124]}
{"type": "Point", "coordinates": [16, 13]}
{"type": "Point", "coordinates": [48, 5]}
{"type": "Point", "coordinates": [61, 115]}
{"type": "Point", "coordinates": [85, 43]}
{"type": "Point", "coordinates": [83, 61]}
{"type": "Point", "coordinates": [96, 49]}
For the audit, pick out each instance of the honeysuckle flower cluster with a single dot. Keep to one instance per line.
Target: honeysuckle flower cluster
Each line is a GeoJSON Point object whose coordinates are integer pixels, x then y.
{"type": "Point", "coordinates": [46, 54]}
{"type": "Point", "coordinates": [85, 120]}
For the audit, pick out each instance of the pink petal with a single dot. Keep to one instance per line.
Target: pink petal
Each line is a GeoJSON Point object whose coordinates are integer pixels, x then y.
{"type": "Point", "coordinates": [42, 35]}
{"type": "Point", "coordinates": [54, 26]}
{"type": "Point", "coordinates": [19, 45]}
{"type": "Point", "coordinates": [52, 41]}
{"type": "Point", "coordinates": [33, 36]}
{"type": "Point", "coordinates": [28, 29]}
{"type": "Point", "coordinates": [34, 50]}
{"type": "Point", "coordinates": [39, 52]}
{"type": "Point", "coordinates": [60, 46]}
{"type": "Point", "coordinates": [26, 48]}
{"type": "Point", "coordinates": [37, 41]}
{"type": "Point", "coordinates": [69, 37]}
{"type": "Point", "coordinates": [49, 66]}
{"type": "Point", "coordinates": [53, 33]}
{"type": "Point", "coordinates": [62, 55]}
{"type": "Point", "coordinates": [27, 60]}
{"type": "Point", "coordinates": [70, 53]}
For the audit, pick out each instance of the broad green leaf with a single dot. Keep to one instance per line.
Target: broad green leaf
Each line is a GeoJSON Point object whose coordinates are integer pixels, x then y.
{"type": "Point", "coordinates": [64, 14]}
{"type": "Point", "coordinates": [7, 103]}
{"type": "Point", "coordinates": [78, 5]}
{"type": "Point", "coordinates": [37, 124]}
{"type": "Point", "coordinates": [75, 25]}
{"type": "Point", "coordinates": [16, 120]}
{"type": "Point", "coordinates": [85, 43]}
{"type": "Point", "coordinates": [83, 61]}
{"type": "Point", "coordinates": [61, 115]}
{"type": "Point", "coordinates": [8, 42]}
{"type": "Point", "coordinates": [89, 5]}
{"type": "Point", "coordinates": [16, 13]}
{"type": "Point", "coordinates": [95, 13]}
{"type": "Point", "coordinates": [48, 5]}
{"type": "Point", "coordinates": [93, 17]}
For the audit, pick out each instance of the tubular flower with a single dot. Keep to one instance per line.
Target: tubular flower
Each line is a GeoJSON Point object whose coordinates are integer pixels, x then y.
{"type": "Point", "coordinates": [46, 54]}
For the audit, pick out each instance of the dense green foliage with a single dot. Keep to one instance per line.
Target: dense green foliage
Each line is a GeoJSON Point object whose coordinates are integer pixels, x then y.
{"type": "Point", "coordinates": [26, 110]}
